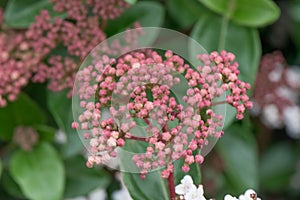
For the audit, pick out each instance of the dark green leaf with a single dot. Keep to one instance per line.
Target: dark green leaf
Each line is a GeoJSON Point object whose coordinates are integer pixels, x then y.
{"type": "Point", "coordinates": [21, 13]}
{"type": "Point", "coordinates": [185, 12]}
{"type": "Point", "coordinates": [46, 133]}
{"type": "Point", "coordinates": [39, 173]}
{"type": "Point", "coordinates": [246, 12]}
{"type": "Point", "coordinates": [10, 186]}
{"type": "Point", "coordinates": [144, 189]}
{"type": "Point", "coordinates": [147, 13]}
{"type": "Point", "coordinates": [23, 111]}
{"type": "Point", "coordinates": [276, 167]}
{"type": "Point", "coordinates": [61, 108]}
{"type": "Point", "coordinates": [239, 152]}
{"type": "Point", "coordinates": [81, 180]}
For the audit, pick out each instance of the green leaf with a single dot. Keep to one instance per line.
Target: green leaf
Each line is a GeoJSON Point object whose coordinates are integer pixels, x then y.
{"type": "Point", "coordinates": [23, 111]}
{"type": "Point", "coordinates": [81, 180]}
{"type": "Point", "coordinates": [147, 13]}
{"type": "Point", "coordinates": [131, 1]}
{"type": "Point", "coordinates": [39, 173]}
{"type": "Point", "coordinates": [185, 12]}
{"type": "Point", "coordinates": [21, 13]}
{"type": "Point", "coordinates": [46, 133]}
{"type": "Point", "coordinates": [239, 152]}
{"type": "Point", "coordinates": [244, 42]}
{"type": "Point", "coordinates": [143, 189]}
{"type": "Point", "coordinates": [61, 108]}
{"type": "Point", "coordinates": [276, 167]}
{"type": "Point", "coordinates": [254, 13]}
{"type": "Point", "coordinates": [10, 185]}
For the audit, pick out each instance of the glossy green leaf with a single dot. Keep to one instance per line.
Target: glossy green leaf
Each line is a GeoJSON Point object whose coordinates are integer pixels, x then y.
{"type": "Point", "coordinates": [253, 13]}
{"type": "Point", "coordinates": [21, 13]}
{"type": "Point", "coordinates": [46, 133]}
{"type": "Point", "coordinates": [147, 13]}
{"type": "Point", "coordinates": [39, 173]}
{"type": "Point", "coordinates": [81, 180]}
{"type": "Point", "coordinates": [239, 153]}
{"type": "Point", "coordinates": [276, 167]}
{"type": "Point", "coordinates": [185, 12]}
{"type": "Point", "coordinates": [61, 108]}
{"type": "Point", "coordinates": [23, 112]}
{"type": "Point", "coordinates": [131, 1]}
{"type": "Point", "coordinates": [244, 42]}
{"type": "Point", "coordinates": [10, 185]}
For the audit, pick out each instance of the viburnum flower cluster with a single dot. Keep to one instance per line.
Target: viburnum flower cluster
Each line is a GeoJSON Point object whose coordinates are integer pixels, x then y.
{"type": "Point", "coordinates": [139, 86]}
{"type": "Point", "coordinates": [29, 55]}
{"type": "Point", "coordinates": [277, 101]}
{"type": "Point", "coordinates": [187, 190]}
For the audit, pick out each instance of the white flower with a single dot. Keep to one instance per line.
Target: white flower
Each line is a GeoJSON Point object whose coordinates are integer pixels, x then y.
{"type": "Point", "coordinates": [271, 116]}
{"type": "Point", "coordinates": [249, 195]}
{"type": "Point", "coordinates": [99, 194]}
{"type": "Point", "coordinates": [275, 75]}
{"type": "Point", "coordinates": [292, 121]}
{"type": "Point", "coordinates": [287, 93]}
{"type": "Point", "coordinates": [195, 194]}
{"type": "Point", "coordinates": [185, 186]}
{"type": "Point", "coordinates": [293, 76]}
{"type": "Point", "coordinates": [229, 197]}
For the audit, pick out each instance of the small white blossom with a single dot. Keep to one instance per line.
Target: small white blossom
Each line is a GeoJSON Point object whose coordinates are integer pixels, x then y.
{"type": "Point", "coordinates": [276, 74]}
{"type": "Point", "coordinates": [271, 116]}
{"type": "Point", "coordinates": [185, 186]}
{"type": "Point", "coordinates": [195, 194]}
{"type": "Point", "coordinates": [249, 195]}
{"type": "Point", "coordinates": [229, 197]}
{"type": "Point", "coordinates": [292, 121]}
{"type": "Point", "coordinates": [293, 76]}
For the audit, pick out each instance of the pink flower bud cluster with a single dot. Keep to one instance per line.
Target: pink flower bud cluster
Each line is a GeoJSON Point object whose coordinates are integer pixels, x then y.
{"type": "Point", "coordinates": [140, 85]}
{"type": "Point", "coordinates": [28, 55]}
{"type": "Point", "coordinates": [15, 63]}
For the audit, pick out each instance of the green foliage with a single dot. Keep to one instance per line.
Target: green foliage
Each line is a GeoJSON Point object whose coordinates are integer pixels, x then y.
{"type": "Point", "coordinates": [276, 167]}
{"type": "Point", "coordinates": [1, 168]}
{"type": "Point", "coordinates": [239, 153]}
{"type": "Point", "coordinates": [147, 13]}
{"type": "Point", "coordinates": [254, 13]}
{"type": "Point", "coordinates": [21, 13]}
{"type": "Point", "coordinates": [39, 173]}
{"type": "Point", "coordinates": [61, 108]}
{"type": "Point", "coordinates": [185, 12]}
{"type": "Point", "coordinates": [24, 111]}
{"type": "Point", "coordinates": [81, 180]}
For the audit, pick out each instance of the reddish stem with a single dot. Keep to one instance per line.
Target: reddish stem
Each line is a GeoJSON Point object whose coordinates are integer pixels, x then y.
{"type": "Point", "coordinates": [218, 103]}
{"type": "Point", "coordinates": [171, 186]}
{"type": "Point", "coordinates": [137, 138]}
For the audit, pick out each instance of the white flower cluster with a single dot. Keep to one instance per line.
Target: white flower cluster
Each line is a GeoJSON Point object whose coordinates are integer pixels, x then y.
{"type": "Point", "coordinates": [188, 191]}
{"type": "Point", "coordinates": [248, 195]}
